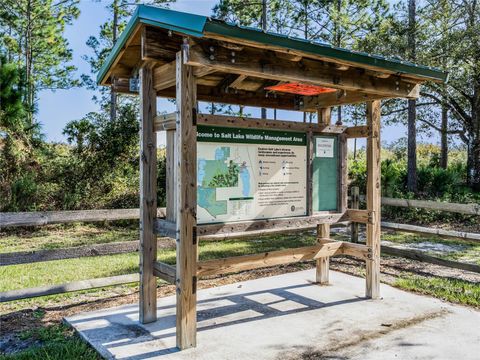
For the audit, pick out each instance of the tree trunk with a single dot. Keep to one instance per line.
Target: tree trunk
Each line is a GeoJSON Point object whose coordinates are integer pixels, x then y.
{"type": "Point", "coordinates": [412, 131]}
{"type": "Point", "coordinates": [444, 138]}
{"type": "Point", "coordinates": [113, 94]}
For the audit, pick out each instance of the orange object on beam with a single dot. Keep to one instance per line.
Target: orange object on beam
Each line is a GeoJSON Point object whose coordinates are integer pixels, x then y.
{"type": "Point", "coordinates": [300, 89]}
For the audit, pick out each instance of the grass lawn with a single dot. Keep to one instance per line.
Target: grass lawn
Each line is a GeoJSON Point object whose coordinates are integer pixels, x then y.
{"type": "Point", "coordinates": [62, 236]}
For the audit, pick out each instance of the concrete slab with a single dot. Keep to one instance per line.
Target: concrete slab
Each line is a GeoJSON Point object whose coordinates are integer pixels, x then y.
{"type": "Point", "coordinates": [287, 316]}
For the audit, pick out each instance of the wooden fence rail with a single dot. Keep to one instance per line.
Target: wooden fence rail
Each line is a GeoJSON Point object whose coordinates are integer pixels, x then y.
{"type": "Point", "coordinates": [8, 219]}
{"type": "Point", "coordinates": [470, 209]}
{"type": "Point", "coordinates": [58, 217]}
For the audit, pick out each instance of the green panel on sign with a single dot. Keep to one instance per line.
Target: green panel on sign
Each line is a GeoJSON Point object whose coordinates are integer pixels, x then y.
{"type": "Point", "coordinates": [325, 173]}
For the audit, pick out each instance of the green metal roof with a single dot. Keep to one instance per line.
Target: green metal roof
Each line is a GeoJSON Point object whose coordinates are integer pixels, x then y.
{"type": "Point", "coordinates": [197, 25]}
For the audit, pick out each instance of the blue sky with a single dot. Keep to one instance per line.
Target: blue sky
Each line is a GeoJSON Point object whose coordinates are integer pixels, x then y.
{"type": "Point", "coordinates": [57, 108]}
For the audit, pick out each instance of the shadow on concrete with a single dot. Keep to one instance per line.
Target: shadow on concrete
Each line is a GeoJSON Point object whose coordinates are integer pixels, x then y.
{"type": "Point", "coordinates": [120, 328]}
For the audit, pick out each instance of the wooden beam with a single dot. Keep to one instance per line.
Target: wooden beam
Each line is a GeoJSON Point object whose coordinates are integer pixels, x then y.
{"type": "Point", "coordinates": [186, 164]}
{"type": "Point", "coordinates": [159, 45]}
{"type": "Point", "coordinates": [36, 218]}
{"type": "Point", "coordinates": [164, 76]}
{"type": "Point", "coordinates": [360, 216]}
{"type": "Point", "coordinates": [237, 81]}
{"type": "Point", "coordinates": [148, 196]}
{"type": "Point", "coordinates": [360, 251]}
{"type": "Point", "coordinates": [263, 64]}
{"type": "Point", "coordinates": [272, 258]}
{"type": "Point", "coordinates": [339, 64]}
{"type": "Point", "coordinates": [355, 132]}
{"type": "Point", "coordinates": [167, 228]}
{"type": "Point", "coordinates": [264, 224]}
{"type": "Point", "coordinates": [165, 272]}
{"type": "Point", "coordinates": [341, 97]}
{"type": "Point", "coordinates": [324, 116]}
{"type": "Point", "coordinates": [373, 199]}
{"type": "Point", "coordinates": [166, 122]}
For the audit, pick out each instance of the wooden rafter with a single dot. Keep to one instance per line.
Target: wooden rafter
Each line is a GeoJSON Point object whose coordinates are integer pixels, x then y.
{"type": "Point", "coordinates": [264, 64]}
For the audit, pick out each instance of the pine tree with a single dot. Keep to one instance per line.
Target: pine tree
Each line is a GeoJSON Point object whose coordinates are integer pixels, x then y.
{"type": "Point", "coordinates": [32, 36]}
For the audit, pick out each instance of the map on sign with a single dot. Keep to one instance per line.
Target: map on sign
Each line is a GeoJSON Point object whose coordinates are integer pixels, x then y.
{"type": "Point", "coordinates": [223, 174]}
{"type": "Point", "coordinates": [245, 174]}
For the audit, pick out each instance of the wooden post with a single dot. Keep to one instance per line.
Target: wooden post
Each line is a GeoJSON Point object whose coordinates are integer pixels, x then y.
{"type": "Point", "coordinates": [171, 187]}
{"type": "Point", "coordinates": [355, 195]}
{"type": "Point", "coordinates": [373, 198]}
{"type": "Point", "coordinates": [148, 196]}
{"type": "Point", "coordinates": [323, 263]}
{"type": "Point", "coordinates": [186, 163]}
{"type": "Point", "coordinates": [323, 230]}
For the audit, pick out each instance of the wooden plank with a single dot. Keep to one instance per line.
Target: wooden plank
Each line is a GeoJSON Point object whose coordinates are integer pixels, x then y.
{"type": "Point", "coordinates": [28, 257]}
{"type": "Point", "coordinates": [373, 199]}
{"type": "Point", "coordinates": [165, 272]}
{"type": "Point", "coordinates": [338, 64]}
{"type": "Point", "coordinates": [355, 191]}
{"type": "Point", "coordinates": [164, 76]}
{"type": "Point", "coordinates": [470, 209]}
{"type": "Point", "coordinates": [449, 234]}
{"type": "Point", "coordinates": [167, 228]}
{"type": "Point", "coordinates": [323, 263]}
{"type": "Point", "coordinates": [360, 216]}
{"type": "Point", "coordinates": [264, 224]}
{"type": "Point", "coordinates": [164, 122]}
{"type": "Point", "coordinates": [148, 196]}
{"type": "Point", "coordinates": [37, 218]}
{"type": "Point", "coordinates": [171, 183]}
{"type": "Point", "coordinates": [421, 256]}
{"type": "Point", "coordinates": [256, 261]}
{"type": "Point", "coordinates": [354, 132]}
{"type": "Point", "coordinates": [28, 293]}
{"type": "Point", "coordinates": [186, 164]}
{"type": "Point", "coordinates": [262, 64]}
{"type": "Point", "coordinates": [340, 97]}
{"type": "Point", "coordinates": [360, 251]}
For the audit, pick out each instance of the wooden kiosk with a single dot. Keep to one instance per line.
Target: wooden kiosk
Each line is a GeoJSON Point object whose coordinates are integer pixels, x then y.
{"type": "Point", "coordinates": [193, 58]}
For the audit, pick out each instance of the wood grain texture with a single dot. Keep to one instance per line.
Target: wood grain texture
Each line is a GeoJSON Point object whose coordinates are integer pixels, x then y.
{"type": "Point", "coordinates": [272, 258]}
{"type": "Point", "coordinates": [186, 158]}
{"type": "Point", "coordinates": [323, 263]}
{"type": "Point", "coordinates": [167, 122]}
{"type": "Point", "coordinates": [13, 295]}
{"type": "Point", "coordinates": [148, 196]}
{"type": "Point", "coordinates": [171, 183]}
{"type": "Point", "coordinates": [373, 199]}
{"type": "Point", "coordinates": [262, 64]}
{"type": "Point", "coordinates": [338, 98]}
{"type": "Point", "coordinates": [355, 205]}
{"type": "Point", "coordinates": [355, 132]}
{"type": "Point", "coordinates": [165, 271]}
{"type": "Point", "coordinates": [38, 218]}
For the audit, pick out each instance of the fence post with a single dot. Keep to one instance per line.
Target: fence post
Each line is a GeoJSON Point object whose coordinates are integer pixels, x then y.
{"type": "Point", "coordinates": [355, 196]}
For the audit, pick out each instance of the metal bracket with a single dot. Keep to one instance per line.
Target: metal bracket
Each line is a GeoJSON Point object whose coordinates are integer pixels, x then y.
{"type": "Point", "coordinates": [194, 285]}
{"type": "Point", "coordinates": [194, 235]}
{"type": "Point", "coordinates": [194, 116]}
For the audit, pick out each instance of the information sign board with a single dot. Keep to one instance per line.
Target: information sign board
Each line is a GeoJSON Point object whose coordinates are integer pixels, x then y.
{"type": "Point", "coordinates": [246, 174]}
